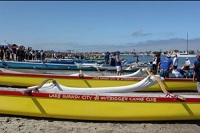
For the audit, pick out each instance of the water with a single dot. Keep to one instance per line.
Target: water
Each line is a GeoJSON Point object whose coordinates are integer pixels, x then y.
{"type": "Point", "coordinates": [145, 58]}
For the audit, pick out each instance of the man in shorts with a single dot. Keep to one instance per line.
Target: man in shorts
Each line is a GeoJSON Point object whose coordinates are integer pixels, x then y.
{"type": "Point", "coordinates": [118, 63]}
{"type": "Point", "coordinates": [197, 73]}
{"type": "Point", "coordinates": [165, 66]}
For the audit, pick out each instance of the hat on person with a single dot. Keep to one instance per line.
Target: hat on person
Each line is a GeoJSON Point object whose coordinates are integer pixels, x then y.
{"type": "Point", "coordinates": [117, 52]}
{"type": "Point", "coordinates": [186, 58]}
{"type": "Point", "coordinates": [168, 56]}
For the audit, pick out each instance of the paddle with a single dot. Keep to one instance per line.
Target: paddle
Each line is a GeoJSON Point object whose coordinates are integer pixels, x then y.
{"type": "Point", "coordinates": [162, 86]}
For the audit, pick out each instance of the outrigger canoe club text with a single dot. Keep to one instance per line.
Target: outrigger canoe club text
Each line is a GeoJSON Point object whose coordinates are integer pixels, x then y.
{"type": "Point", "coordinates": [116, 78]}
{"type": "Point", "coordinates": [102, 98]}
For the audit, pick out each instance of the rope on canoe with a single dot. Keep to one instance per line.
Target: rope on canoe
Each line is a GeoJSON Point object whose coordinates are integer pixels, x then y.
{"type": "Point", "coordinates": [162, 86]}
{"type": "Point", "coordinates": [35, 89]}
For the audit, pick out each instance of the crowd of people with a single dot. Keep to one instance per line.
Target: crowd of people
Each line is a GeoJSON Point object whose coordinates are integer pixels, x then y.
{"type": "Point", "coordinates": [166, 65]}
{"type": "Point", "coordinates": [20, 53]}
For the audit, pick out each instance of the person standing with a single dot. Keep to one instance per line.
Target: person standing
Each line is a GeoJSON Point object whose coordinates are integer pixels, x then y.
{"type": "Point", "coordinates": [42, 56]}
{"type": "Point", "coordinates": [106, 58]}
{"type": "Point", "coordinates": [20, 54]}
{"type": "Point", "coordinates": [196, 61]}
{"type": "Point", "coordinates": [175, 62]}
{"type": "Point", "coordinates": [158, 62]}
{"type": "Point", "coordinates": [118, 63]}
{"type": "Point", "coordinates": [165, 66]}
{"type": "Point", "coordinates": [154, 66]}
{"type": "Point", "coordinates": [1, 53]}
{"type": "Point", "coordinates": [137, 61]}
{"type": "Point", "coordinates": [112, 60]}
{"type": "Point", "coordinates": [197, 73]}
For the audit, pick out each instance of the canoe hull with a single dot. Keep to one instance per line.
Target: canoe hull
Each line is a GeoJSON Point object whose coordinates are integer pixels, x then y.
{"type": "Point", "coordinates": [56, 66]}
{"type": "Point", "coordinates": [42, 66]}
{"type": "Point", "coordinates": [99, 107]}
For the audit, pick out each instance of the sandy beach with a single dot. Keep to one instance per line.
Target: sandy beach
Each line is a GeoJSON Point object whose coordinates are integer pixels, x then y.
{"type": "Point", "coordinates": [17, 124]}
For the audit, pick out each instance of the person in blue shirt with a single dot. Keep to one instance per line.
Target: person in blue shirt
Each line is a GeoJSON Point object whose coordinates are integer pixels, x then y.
{"type": "Point", "coordinates": [107, 57]}
{"type": "Point", "coordinates": [196, 61]}
{"type": "Point", "coordinates": [165, 66]}
{"type": "Point", "coordinates": [196, 73]}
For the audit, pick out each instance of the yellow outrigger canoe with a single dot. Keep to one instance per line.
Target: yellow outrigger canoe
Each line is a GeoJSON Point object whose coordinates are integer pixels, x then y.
{"type": "Point", "coordinates": [100, 106]}
{"type": "Point", "coordinates": [32, 79]}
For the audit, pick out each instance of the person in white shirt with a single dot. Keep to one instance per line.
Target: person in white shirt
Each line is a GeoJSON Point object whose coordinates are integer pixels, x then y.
{"type": "Point", "coordinates": [154, 65]}
{"type": "Point", "coordinates": [175, 62]}
{"type": "Point", "coordinates": [187, 64]}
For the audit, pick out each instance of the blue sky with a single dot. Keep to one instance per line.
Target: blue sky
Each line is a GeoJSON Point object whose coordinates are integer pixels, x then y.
{"type": "Point", "coordinates": [101, 25]}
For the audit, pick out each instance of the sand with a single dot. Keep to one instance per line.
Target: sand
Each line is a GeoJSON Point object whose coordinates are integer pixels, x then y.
{"type": "Point", "coordinates": [17, 124]}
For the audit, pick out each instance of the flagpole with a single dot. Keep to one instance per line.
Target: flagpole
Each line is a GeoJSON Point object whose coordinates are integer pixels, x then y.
{"type": "Point", "coordinates": [187, 43]}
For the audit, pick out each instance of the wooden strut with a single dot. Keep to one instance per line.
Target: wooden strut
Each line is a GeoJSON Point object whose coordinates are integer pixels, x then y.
{"type": "Point", "coordinates": [162, 86]}
{"type": "Point", "coordinates": [81, 74]}
{"type": "Point", "coordinates": [101, 73]}
{"type": "Point", "coordinates": [34, 89]}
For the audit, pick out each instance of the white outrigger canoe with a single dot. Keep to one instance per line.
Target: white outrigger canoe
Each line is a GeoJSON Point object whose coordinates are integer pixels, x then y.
{"type": "Point", "coordinates": [138, 73]}
{"type": "Point", "coordinates": [56, 87]}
